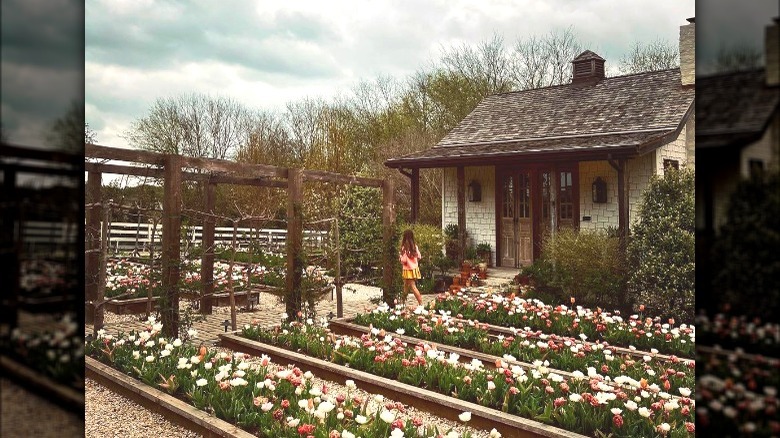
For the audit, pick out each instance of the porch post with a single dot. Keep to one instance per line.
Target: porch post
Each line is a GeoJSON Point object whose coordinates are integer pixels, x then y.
{"type": "Point", "coordinates": [622, 181]}
{"type": "Point", "coordinates": [415, 180]}
{"type": "Point", "coordinates": [462, 212]}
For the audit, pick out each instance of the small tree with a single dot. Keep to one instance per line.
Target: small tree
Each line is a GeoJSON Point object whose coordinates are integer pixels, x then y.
{"type": "Point", "coordinates": [661, 250]}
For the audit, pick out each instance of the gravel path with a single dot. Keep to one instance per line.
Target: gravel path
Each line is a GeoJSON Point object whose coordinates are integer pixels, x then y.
{"type": "Point", "coordinates": [111, 415]}
{"type": "Point", "coordinates": [25, 414]}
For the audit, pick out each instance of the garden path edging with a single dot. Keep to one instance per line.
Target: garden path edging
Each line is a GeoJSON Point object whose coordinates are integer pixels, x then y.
{"type": "Point", "coordinates": [60, 394]}
{"type": "Point", "coordinates": [167, 405]}
{"type": "Point", "coordinates": [510, 426]}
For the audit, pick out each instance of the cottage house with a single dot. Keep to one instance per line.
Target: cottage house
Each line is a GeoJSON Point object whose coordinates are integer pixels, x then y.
{"type": "Point", "coordinates": [575, 155]}
{"type": "Point", "coordinates": [738, 135]}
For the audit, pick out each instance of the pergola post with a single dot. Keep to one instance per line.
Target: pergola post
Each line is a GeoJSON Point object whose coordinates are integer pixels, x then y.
{"type": "Point", "coordinates": [415, 193]}
{"type": "Point", "coordinates": [462, 212]}
{"type": "Point", "coordinates": [294, 242]}
{"type": "Point", "coordinates": [390, 251]}
{"type": "Point", "coordinates": [9, 252]}
{"type": "Point", "coordinates": [207, 261]}
{"type": "Point", "coordinates": [171, 244]}
{"type": "Point", "coordinates": [92, 258]}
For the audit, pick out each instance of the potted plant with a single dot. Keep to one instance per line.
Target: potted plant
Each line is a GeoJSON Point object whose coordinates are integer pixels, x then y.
{"type": "Point", "coordinates": [484, 253]}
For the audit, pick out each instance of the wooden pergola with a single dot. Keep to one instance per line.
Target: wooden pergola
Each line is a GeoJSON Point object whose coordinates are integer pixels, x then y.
{"type": "Point", "coordinates": [18, 160]}
{"type": "Point", "coordinates": [211, 172]}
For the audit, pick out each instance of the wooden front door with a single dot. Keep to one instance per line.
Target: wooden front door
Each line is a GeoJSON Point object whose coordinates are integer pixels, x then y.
{"type": "Point", "coordinates": [516, 225]}
{"type": "Point", "coordinates": [531, 202]}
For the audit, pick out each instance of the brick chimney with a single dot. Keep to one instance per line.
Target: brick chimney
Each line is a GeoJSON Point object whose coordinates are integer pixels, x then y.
{"type": "Point", "coordinates": [772, 53]}
{"type": "Point", "coordinates": [688, 52]}
{"type": "Point", "coordinates": [587, 67]}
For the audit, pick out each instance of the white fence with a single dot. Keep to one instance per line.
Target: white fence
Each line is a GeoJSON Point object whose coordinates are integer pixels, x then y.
{"type": "Point", "coordinates": [48, 237]}
{"type": "Point", "coordinates": [127, 236]}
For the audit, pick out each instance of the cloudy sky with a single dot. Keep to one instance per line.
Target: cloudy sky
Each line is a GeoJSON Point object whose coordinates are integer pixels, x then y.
{"type": "Point", "coordinates": [267, 53]}
{"type": "Point", "coordinates": [41, 73]}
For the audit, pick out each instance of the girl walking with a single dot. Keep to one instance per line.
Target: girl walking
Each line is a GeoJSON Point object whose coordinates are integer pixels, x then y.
{"type": "Point", "coordinates": [409, 257]}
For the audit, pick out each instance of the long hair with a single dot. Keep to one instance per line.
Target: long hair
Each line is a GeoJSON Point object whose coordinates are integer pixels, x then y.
{"type": "Point", "coordinates": [407, 244]}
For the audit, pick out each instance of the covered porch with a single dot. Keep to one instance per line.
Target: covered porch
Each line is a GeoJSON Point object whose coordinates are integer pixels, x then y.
{"type": "Point", "coordinates": [519, 199]}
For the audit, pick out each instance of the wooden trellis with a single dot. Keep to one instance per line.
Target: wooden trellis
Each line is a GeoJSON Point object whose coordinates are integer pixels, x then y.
{"type": "Point", "coordinates": [211, 172]}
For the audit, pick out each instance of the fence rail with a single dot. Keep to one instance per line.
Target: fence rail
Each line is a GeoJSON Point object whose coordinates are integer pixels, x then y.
{"type": "Point", "coordinates": [128, 236]}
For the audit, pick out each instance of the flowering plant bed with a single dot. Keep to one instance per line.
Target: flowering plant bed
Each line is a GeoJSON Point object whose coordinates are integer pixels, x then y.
{"type": "Point", "coordinates": [512, 311]}
{"type": "Point", "coordinates": [737, 394]}
{"type": "Point", "coordinates": [732, 332]}
{"type": "Point", "coordinates": [261, 397]}
{"type": "Point", "coordinates": [563, 353]}
{"type": "Point", "coordinates": [57, 355]}
{"type": "Point", "coordinates": [581, 405]}
{"type": "Point", "coordinates": [130, 280]}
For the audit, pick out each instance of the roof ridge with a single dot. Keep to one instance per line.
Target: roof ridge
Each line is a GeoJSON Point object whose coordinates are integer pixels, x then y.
{"type": "Point", "coordinates": [568, 84]}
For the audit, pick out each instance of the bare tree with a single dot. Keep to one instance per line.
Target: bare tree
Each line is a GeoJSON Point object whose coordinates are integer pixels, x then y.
{"type": "Point", "coordinates": [737, 58]}
{"type": "Point", "coordinates": [195, 125]}
{"type": "Point", "coordinates": [656, 55]}
{"type": "Point", "coordinates": [544, 61]}
{"type": "Point", "coordinates": [485, 68]}
{"type": "Point", "coordinates": [69, 132]}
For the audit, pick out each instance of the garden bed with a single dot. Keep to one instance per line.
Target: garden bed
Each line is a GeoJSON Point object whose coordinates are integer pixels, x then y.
{"type": "Point", "coordinates": [344, 326]}
{"type": "Point", "coordinates": [481, 417]}
{"type": "Point", "coordinates": [580, 404]}
{"type": "Point", "coordinates": [253, 393]}
{"type": "Point", "coordinates": [157, 401]}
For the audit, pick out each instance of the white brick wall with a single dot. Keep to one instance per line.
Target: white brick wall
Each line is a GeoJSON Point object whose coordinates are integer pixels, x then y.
{"type": "Point", "coordinates": [760, 150]}
{"type": "Point", "coordinates": [602, 215]}
{"type": "Point", "coordinates": [480, 216]}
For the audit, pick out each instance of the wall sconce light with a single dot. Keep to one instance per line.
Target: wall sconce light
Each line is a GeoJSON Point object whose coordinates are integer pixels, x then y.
{"type": "Point", "coordinates": [475, 192]}
{"type": "Point", "coordinates": [599, 191]}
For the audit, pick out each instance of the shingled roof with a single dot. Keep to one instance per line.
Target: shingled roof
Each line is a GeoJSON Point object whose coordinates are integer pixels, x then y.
{"type": "Point", "coordinates": [628, 114]}
{"type": "Point", "coordinates": [734, 108]}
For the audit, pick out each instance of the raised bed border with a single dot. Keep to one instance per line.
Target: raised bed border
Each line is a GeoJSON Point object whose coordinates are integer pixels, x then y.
{"type": "Point", "coordinates": [510, 426]}
{"type": "Point", "coordinates": [170, 407]}
{"type": "Point", "coordinates": [62, 395]}
{"type": "Point", "coordinates": [741, 355]}
{"type": "Point", "coordinates": [136, 306]}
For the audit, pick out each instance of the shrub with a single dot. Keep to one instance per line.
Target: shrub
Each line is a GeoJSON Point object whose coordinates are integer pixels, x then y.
{"type": "Point", "coordinates": [360, 230]}
{"type": "Point", "coordinates": [586, 265]}
{"type": "Point", "coordinates": [662, 248]}
{"type": "Point", "coordinates": [747, 269]}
